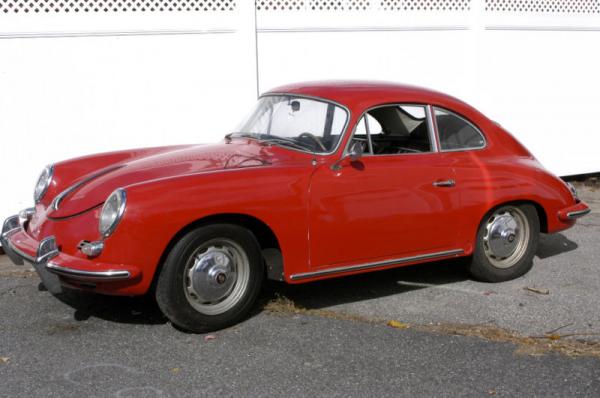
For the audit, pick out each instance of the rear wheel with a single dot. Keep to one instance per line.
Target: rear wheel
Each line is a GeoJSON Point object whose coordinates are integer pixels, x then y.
{"type": "Point", "coordinates": [211, 278]}
{"type": "Point", "coordinates": [506, 242]}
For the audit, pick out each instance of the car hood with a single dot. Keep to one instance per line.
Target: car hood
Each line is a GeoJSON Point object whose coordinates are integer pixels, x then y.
{"type": "Point", "coordinates": [91, 190]}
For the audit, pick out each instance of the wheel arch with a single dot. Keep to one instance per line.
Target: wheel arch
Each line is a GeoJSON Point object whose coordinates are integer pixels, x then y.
{"type": "Point", "coordinates": [264, 234]}
{"type": "Point", "coordinates": [541, 212]}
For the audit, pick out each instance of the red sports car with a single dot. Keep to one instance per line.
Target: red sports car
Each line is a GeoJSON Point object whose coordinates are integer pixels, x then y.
{"type": "Point", "coordinates": [321, 180]}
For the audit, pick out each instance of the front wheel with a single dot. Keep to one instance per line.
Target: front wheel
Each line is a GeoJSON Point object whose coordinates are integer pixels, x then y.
{"type": "Point", "coordinates": [506, 242]}
{"type": "Point", "coordinates": [211, 278]}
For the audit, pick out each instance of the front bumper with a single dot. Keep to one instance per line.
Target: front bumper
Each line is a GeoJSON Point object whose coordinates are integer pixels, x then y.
{"type": "Point", "coordinates": [54, 267]}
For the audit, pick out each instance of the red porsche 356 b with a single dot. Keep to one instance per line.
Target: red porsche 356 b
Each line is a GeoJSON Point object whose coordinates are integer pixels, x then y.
{"type": "Point", "coordinates": [321, 180]}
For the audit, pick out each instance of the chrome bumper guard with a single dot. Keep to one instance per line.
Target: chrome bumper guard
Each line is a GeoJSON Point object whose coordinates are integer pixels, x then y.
{"type": "Point", "coordinates": [10, 226]}
{"type": "Point", "coordinates": [46, 269]}
{"type": "Point", "coordinates": [46, 250]}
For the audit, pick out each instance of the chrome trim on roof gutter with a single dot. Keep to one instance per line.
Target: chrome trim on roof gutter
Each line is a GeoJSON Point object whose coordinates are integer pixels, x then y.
{"type": "Point", "coordinates": [365, 266]}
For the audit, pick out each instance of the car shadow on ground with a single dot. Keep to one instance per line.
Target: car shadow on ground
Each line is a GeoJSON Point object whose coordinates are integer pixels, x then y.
{"type": "Point", "coordinates": [315, 295]}
{"type": "Point", "coordinates": [368, 286]}
{"type": "Point", "coordinates": [554, 244]}
{"type": "Point", "coordinates": [131, 310]}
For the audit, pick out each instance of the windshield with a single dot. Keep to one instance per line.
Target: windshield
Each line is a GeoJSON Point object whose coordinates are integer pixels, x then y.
{"type": "Point", "coordinates": [297, 122]}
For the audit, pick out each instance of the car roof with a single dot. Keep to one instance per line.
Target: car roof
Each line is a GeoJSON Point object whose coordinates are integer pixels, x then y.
{"type": "Point", "coordinates": [344, 91]}
{"type": "Point", "coordinates": [362, 94]}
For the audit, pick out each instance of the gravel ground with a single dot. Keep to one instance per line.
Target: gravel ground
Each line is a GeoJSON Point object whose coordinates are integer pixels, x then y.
{"type": "Point", "coordinates": [324, 339]}
{"type": "Point", "coordinates": [120, 347]}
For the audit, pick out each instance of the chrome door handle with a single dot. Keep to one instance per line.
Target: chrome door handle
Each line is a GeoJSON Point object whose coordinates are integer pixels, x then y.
{"type": "Point", "coordinates": [444, 183]}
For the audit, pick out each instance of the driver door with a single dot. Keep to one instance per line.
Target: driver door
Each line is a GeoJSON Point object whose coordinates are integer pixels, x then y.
{"type": "Point", "coordinates": [383, 206]}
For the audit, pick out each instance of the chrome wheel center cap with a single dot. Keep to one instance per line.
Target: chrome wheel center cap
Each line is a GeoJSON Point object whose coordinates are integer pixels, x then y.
{"type": "Point", "coordinates": [213, 275]}
{"type": "Point", "coordinates": [502, 235]}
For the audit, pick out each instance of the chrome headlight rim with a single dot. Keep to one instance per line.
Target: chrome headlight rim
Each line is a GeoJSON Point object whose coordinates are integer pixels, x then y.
{"type": "Point", "coordinates": [121, 197]}
{"type": "Point", "coordinates": [573, 190]}
{"type": "Point", "coordinates": [48, 172]}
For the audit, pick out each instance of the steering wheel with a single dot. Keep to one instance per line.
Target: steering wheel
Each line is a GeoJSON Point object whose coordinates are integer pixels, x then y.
{"type": "Point", "coordinates": [314, 138]}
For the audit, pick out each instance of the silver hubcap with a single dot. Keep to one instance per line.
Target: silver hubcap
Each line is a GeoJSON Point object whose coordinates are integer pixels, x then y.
{"type": "Point", "coordinates": [506, 236]}
{"type": "Point", "coordinates": [216, 276]}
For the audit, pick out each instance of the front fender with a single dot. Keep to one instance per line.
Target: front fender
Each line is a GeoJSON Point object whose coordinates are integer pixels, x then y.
{"type": "Point", "coordinates": [157, 210]}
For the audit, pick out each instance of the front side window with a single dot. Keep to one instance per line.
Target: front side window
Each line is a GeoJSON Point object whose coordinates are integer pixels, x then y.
{"type": "Point", "coordinates": [301, 123]}
{"type": "Point", "coordinates": [455, 133]}
{"type": "Point", "coordinates": [394, 129]}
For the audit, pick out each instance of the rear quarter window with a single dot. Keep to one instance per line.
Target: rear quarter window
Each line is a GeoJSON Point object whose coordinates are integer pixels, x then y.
{"type": "Point", "coordinates": [456, 133]}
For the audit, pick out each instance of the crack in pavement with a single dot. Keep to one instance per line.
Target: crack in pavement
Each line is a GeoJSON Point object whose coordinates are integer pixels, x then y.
{"type": "Point", "coordinates": [526, 345]}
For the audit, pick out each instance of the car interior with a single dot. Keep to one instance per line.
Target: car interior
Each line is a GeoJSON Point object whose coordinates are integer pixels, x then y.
{"type": "Point", "coordinates": [394, 129]}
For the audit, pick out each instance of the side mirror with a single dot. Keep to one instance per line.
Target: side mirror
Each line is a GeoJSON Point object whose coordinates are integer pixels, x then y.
{"type": "Point", "coordinates": [354, 153]}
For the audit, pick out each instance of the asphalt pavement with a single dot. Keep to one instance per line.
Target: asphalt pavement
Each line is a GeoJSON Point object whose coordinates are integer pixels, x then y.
{"type": "Point", "coordinates": [538, 335]}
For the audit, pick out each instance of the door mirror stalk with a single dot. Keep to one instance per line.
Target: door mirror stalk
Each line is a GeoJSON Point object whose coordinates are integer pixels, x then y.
{"type": "Point", "coordinates": [354, 153]}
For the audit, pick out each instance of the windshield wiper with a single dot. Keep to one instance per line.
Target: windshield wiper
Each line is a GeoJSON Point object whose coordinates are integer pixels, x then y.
{"type": "Point", "coordinates": [229, 136]}
{"type": "Point", "coordinates": [287, 142]}
{"type": "Point", "coordinates": [269, 139]}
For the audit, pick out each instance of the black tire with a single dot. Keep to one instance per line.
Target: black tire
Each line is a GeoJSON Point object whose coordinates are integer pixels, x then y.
{"type": "Point", "coordinates": [173, 297]}
{"type": "Point", "coordinates": [484, 267]}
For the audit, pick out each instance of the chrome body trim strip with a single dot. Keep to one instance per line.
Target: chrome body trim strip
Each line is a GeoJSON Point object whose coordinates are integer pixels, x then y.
{"type": "Point", "coordinates": [365, 266]}
{"type": "Point", "coordinates": [577, 214]}
{"type": "Point", "coordinates": [58, 198]}
{"type": "Point", "coordinates": [110, 275]}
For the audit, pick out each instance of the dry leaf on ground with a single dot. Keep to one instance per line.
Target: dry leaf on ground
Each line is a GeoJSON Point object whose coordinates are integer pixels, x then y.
{"type": "Point", "coordinates": [397, 324]}
{"type": "Point", "coordinates": [536, 290]}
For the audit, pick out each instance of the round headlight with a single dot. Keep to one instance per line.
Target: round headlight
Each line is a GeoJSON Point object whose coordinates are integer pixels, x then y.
{"type": "Point", "coordinates": [112, 212]}
{"type": "Point", "coordinates": [43, 183]}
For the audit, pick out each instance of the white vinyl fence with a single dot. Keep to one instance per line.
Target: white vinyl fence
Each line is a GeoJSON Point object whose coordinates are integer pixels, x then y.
{"type": "Point", "coordinates": [84, 76]}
